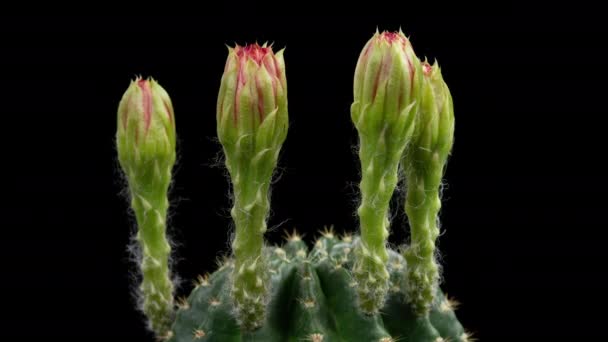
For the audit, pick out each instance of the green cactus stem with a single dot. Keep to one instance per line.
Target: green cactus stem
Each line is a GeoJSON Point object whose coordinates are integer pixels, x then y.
{"type": "Point", "coordinates": [314, 298]}
{"type": "Point", "coordinates": [387, 82]}
{"type": "Point", "coordinates": [424, 163]}
{"type": "Point", "coordinates": [146, 151]}
{"type": "Point", "coordinates": [252, 126]}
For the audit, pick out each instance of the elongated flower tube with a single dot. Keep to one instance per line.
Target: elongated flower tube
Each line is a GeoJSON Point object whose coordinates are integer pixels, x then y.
{"type": "Point", "coordinates": [387, 84]}
{"type": "Point", "coordinates": [252, 125]}
{"type": "Point", "coordinates": [145, 141]}
{"type": "Point", "coordinates": [424, 162]}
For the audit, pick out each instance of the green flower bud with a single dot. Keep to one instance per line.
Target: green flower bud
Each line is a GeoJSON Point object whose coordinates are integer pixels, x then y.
{"type": "Point", "coordinates": [424, 163]}
{"type": "Point", "coordinates": [145, 141]}
{"type": "Point", "coordinates": [146, 127]}
{"type": "Point", "coordinates": [435, 129]}
{"type": "Point", "coordinates": [387, 85]}
{"type": "Point", "coordinates": [252, 102]}
{"type": "Point", "coordinates": [252, 126]}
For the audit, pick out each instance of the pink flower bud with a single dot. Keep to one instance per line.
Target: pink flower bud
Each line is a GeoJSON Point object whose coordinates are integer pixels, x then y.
{"type": "Point", "coordinates": [253, 87]}
{"type": "Point", "coordinates": [387, 72]}
{"type": "Point", "coordinates": [146, 125]}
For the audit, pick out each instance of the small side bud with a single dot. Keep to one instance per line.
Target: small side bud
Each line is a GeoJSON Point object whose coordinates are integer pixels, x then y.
{"type": "Point", "coordinates": [424, 163]}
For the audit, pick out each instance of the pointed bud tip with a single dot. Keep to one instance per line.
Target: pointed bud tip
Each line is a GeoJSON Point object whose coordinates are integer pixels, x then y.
{"type": "Point", "coordinates": [142, 83]}
{"type": "Point", "coordinates": [427, 69]}
{"type": "Point", "coordinates": [392, 37]}
{"type": "Point", "coordinates": [436, 66]}
{"type": "Point", "coordinates": [253, 52]}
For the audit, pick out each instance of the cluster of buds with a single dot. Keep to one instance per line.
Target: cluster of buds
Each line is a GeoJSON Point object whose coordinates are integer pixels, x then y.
{"type": "Point", "coordinates": [403, 113]}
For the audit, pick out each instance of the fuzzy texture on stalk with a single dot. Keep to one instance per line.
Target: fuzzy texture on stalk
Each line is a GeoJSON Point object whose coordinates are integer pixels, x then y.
{"type": "Point", "coordinates": [387, 84]}
{"type": "Point", "coordinates": [145, 141]}
{"type": "Point", "coordinates": [252, 125]}
{"type": "Point", "coordinates": [424, 162]}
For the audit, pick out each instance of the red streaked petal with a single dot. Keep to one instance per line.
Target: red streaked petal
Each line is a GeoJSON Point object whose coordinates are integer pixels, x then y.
{"type": "Point", "coordinates": [146, 102]}
{"type": "Point", "coordinates": [260, 95]}
{"type": "Point", "coordinates": [254, 52]}
{"type": "Point", "coordinates": [169, 110]}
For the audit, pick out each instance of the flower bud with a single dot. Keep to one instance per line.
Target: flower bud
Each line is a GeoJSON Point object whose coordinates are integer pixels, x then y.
{"type": "Point", "coordinates": [387, 82]}
{"type": "Point", "coordinates": [253, 93]}
{"type": "Point", "coordinates": [146, 126]}
{"type": "Point", "coordinates": [251, 126]}
{"type": "Point", "coordinates": [435, 129]}
{"type": "Point", "coordinates": [387, 85]}
{"type": "Point", "coordinates": [424, 163]}
{"type": "Point", "coordinates": [145, 140]}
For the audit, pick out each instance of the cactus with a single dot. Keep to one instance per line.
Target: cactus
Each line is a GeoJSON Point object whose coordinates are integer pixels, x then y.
{"type": "Point", "coordinates": [346, 288]}
{"type": "Point", "coordinates": [314, 298]}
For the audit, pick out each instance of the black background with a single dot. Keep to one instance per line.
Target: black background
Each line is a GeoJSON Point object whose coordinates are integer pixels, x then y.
{"type": "Point", "coordinates": [522, 210]}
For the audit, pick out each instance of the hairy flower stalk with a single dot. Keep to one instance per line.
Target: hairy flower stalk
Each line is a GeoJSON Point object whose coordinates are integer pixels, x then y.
{"type": "Point", "coordinates": [252, 125]}
{"type": "Point", "coordinates": [386, 93]}
{"type": "Point", "coordinates": [424, 162]}
{"type": "Point", "coordinates": [145, 141]}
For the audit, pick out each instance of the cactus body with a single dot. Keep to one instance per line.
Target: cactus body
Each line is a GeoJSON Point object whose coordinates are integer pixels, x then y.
{"type": "Point", "coordinates": [314, 298]}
